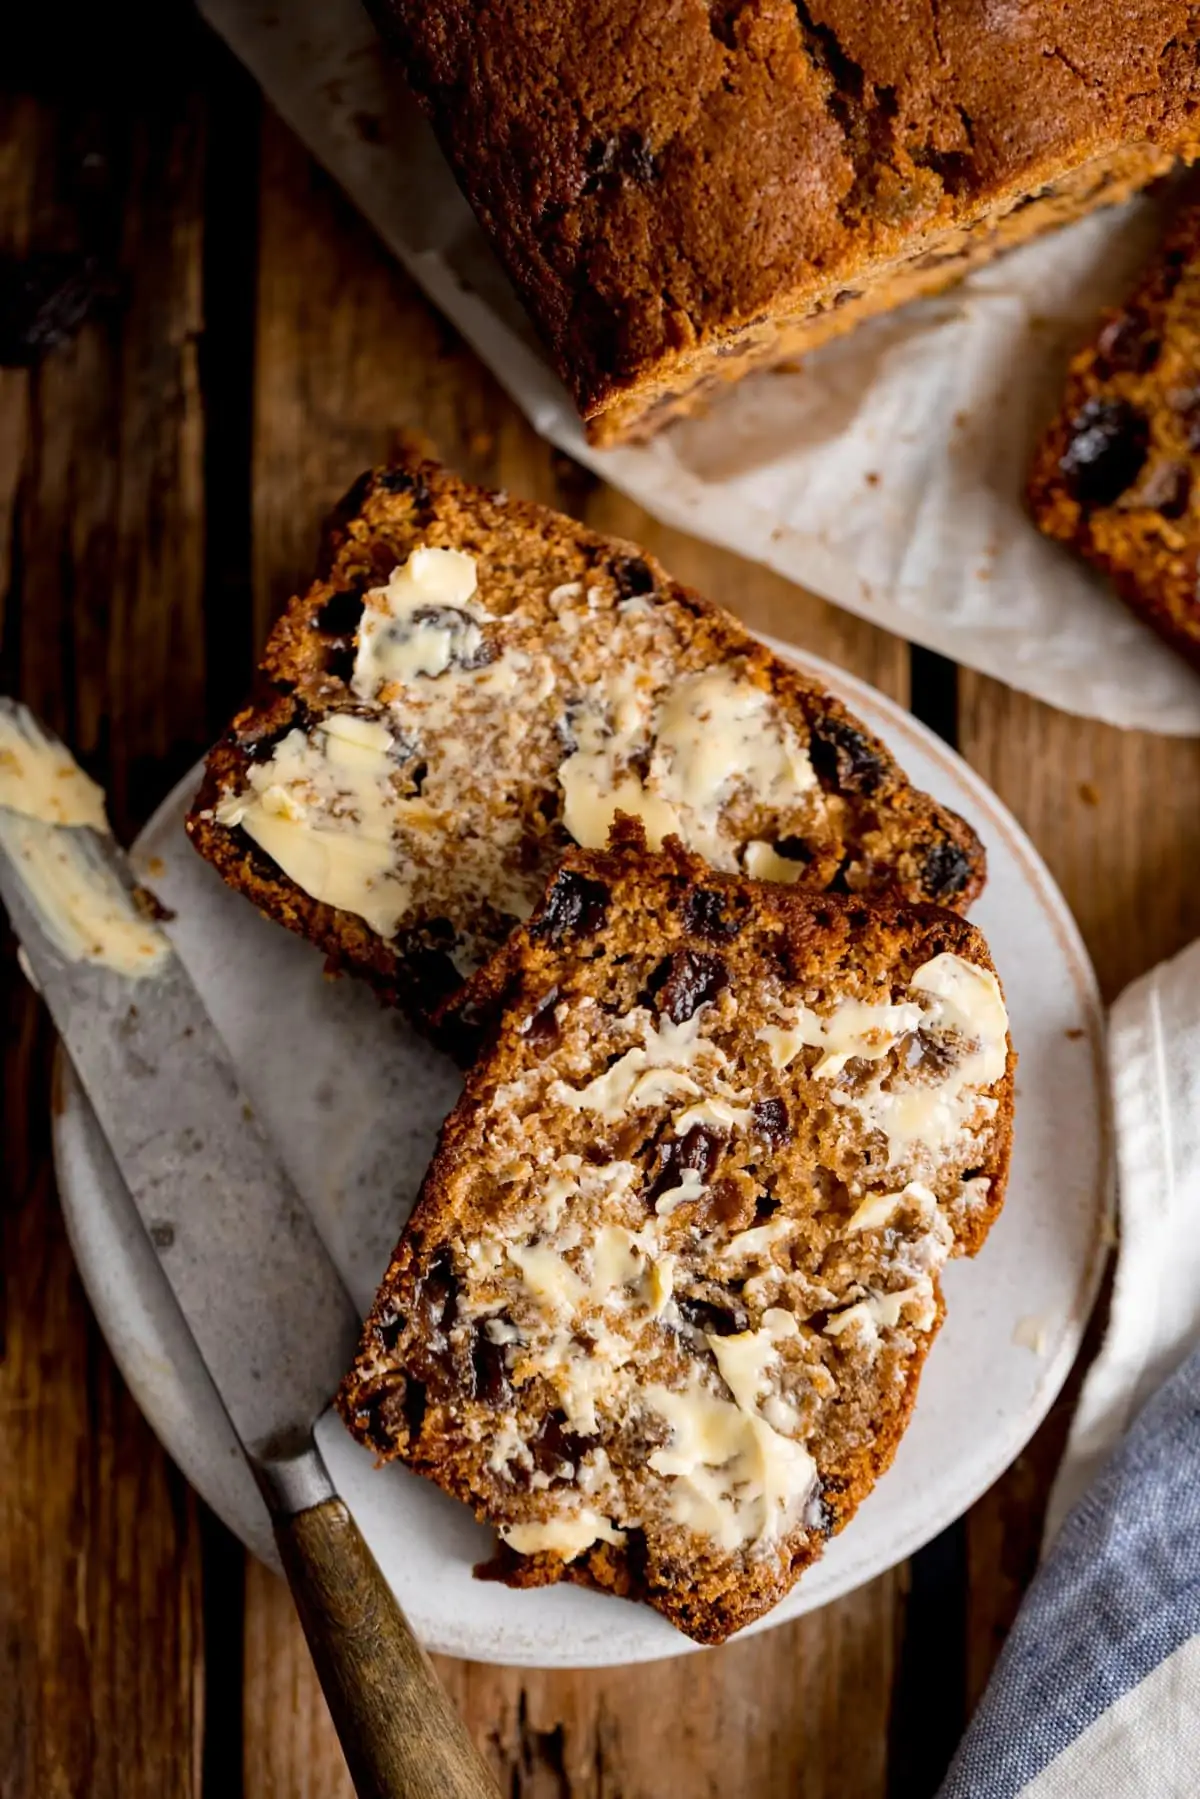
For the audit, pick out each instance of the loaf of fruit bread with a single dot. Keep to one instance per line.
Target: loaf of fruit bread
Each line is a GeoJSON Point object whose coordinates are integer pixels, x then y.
{"type": "Point", "coordinates": [474, 683]}
{"type": "Point", "coordinates": [683, 192]}
{"type": "Point", "coordinates": [1117, 475]}
{"type": "Point", "coordinates": [661, 1309]}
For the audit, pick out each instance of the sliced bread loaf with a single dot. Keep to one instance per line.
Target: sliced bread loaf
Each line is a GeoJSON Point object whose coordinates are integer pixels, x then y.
{"type": "Point", "coordinates": [474, 683]}
{"type": "Point", "coordinates": [661, 1309]}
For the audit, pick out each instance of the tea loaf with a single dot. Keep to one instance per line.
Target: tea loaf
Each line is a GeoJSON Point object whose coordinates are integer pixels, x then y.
{"type": "Point", "coordinates": [1117, 475]}
{"type": "Point", "coordinates": [682, 192]}
{"type": "Point", "coordinates": [661, 1309]}
{"type": "Point", "coordinates": [474, 683]}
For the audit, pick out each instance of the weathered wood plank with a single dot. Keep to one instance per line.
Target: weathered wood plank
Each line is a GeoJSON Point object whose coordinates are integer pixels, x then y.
{"type": "Point", "coordinates": [798, 1711]}
{"type": "Point", "coordinates": [1113, 813]}
{"type": "Point", "coordinates": [101, 523]}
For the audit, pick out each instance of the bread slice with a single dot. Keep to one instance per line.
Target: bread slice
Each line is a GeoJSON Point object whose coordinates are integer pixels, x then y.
{"type": "Point", "coordinates": [661, 1309]}
{"type": "Point", "coordinates": [1117, 475]}
{"type": "Point", "coordinates": [473, 682]}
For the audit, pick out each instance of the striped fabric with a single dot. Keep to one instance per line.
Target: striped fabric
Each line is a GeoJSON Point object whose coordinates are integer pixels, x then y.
{"type": "Point", "coordinates": [1097, 1692]}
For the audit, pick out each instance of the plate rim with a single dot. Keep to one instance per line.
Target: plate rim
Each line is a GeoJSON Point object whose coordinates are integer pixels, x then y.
{"type": "Point", "coordinates": [69, 1120]}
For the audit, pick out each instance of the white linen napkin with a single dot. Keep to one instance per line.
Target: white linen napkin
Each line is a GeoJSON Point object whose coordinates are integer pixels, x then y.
{"type": "Point", "coordinates": [1154, 1073]}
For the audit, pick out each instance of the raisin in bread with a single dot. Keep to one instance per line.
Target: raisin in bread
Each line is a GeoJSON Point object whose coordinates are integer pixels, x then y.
{"type": "Point", "coordinates": [683, 193]}
{"type": "Point", "coordinates": [661, 1309]}
{"type": "Point", "coordinates": [473, 683]}
{"type": "Point", "coordinates": [1117, 475]}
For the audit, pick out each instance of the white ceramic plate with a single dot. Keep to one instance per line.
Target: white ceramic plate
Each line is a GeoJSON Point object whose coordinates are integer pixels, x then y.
{"type": "Point", "coordinates": [354, 1099]}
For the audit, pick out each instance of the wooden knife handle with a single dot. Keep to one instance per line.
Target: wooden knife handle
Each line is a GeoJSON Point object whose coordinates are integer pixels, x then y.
{"type": "Point", "coordinates": [401, 1736]}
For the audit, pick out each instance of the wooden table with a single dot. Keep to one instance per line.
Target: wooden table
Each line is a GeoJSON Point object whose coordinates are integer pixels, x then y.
{"type": "Point", "coordinates": [248, 349]}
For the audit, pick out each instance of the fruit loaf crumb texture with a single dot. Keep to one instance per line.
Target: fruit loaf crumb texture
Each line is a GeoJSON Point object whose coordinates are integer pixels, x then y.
{"type": "Point", "coordinates": [1117, 475]}
{"type": "Point", "coordinates": [472, 685]}
{"type": "Point", "coordinates": [683, 192]}
{"type": "Point", "coordinates": [661, 1309]}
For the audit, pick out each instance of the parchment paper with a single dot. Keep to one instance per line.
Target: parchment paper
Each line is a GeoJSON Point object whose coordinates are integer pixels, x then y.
{"type": "Point", "coordinates": [885, 473]}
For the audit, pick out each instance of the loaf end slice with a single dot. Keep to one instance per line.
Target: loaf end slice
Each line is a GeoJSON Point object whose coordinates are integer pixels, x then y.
{"type": "Point", "coordinates": [471, 685]}
{"type": "Point", "coordinates": [661, 1309]}
{"type": "Point", "coordinates": [1117, 475]}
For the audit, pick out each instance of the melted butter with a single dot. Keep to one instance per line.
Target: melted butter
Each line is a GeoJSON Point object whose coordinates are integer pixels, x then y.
{"type": "Point", "coordinates": [732, 1477]}
{"type": "Point", "coordinates": [763, 863]}
{"type": "Point", "coordinates": [966, 1002]}
{"type": "Point", "coordinates": [624, 1277]}
{"type": "Point", "coordinates": [758, 1242]}
{"type": "Point", "coordinates": [884, 1311]}
{"type": "Point", "coordinates": [952, 997]}
{"type": "Point", "coordinates": [583, 1377]}
{"type": "Point", "coordinates": [567, 1535]}
{"type": "Point", "coordinates": [419, 623]}
{"type": "Point", "coordinates": [732, 1471]}
{"type": "Point", "coordinates": [854, 1028]}
{"type": "Point", "coordinates": [340, 831]}
{"type": "Point", "coordinates": [647, 1074]}
{"type": "Point", "coordinates": [617, 1259]}
{"type": "Point", "coordinates": [508, 1446]}
{"type": "Point", "coordinates": [592, 797]}
{"type": "Point", "coordinates": [875, 1212]}
{"type": "Point", "coordinates": [716, 733]}
{"type": "Point", "coordinates": [82, 906]}
{"type": "Point", "coordinates": [714, 1114]}
{"type": "Point", "coordinates": [691, 1186]}
{"type": "Point", "coordinates": [41, 779]}
{"type": "Point", "coordinates": [921, 1120]}
{"type": "Point", "coordinates": [611, 725]}
{"type": "Point", "coordinates": [660, 1285]}
{"type": "Point", "coordinates": [324, 808]}
{"type": "Point", "coordinates": [971, 1003]}
{"type": "Point", "coordinates": [548, 1276]}
{"type": "Point", "coordinates": [747, 1358]}
{"type": "Point", "coordinates": [710, 736]}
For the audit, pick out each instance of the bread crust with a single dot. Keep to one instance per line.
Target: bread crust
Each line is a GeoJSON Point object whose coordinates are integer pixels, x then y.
{"type": "Point", "coordinates": [683, 193]}
{"type": "Point", "coordinates": [419, 1391]}
{"type": "Point", "coordinates": [1117, 474]}
{"type": "Point", "coordinates": [876, 824]}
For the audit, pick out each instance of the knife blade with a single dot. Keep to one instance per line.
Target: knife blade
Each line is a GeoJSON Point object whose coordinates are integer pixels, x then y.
{"type": "Point", "coordinates": [256, 1286]}
{"type": "Point", "coordinates": [264, 1302]}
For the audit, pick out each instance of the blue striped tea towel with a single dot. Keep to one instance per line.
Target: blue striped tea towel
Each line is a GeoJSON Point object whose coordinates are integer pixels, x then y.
{"type": "Point", "coordinates": [1097, 1692]}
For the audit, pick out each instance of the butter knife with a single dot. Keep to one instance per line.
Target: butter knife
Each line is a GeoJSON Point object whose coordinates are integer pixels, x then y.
{"type": "Point", "coordinates": [260, 1295]}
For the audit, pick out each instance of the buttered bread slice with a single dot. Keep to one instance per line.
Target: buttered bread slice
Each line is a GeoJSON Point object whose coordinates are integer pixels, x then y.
{"type": "Point", "coordinates": [473, 685]}
{"type": "Point", "coordinates": [661, 1309]}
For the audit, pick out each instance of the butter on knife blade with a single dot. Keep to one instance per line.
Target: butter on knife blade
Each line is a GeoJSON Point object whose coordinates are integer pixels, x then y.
{"type": "Point", "coordinates": [234, 1239]}
{"type": "Point", "coordinates": [84, 909]}
{"type": "Point", "coordinates": [40, 778]}
{"type": "Point", "coordinates": [255, 1284]}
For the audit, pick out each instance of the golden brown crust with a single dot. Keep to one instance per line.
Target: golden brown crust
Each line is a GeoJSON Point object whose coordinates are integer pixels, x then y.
{"type": "Point", "coordinates": [672, 188]}
{"type": "Point", "coordinates": [1117, 475]}
{"type": "Point", "coordinates": [621, 931]}
{"type": "Point", "coordinates": [877, 830]}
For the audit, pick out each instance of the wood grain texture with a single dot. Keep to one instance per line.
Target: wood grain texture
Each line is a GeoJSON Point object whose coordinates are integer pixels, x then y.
{"type": "Point", "coordinates": [101, 515]}
{"type": "Point", "coordinates": [1114, 814]}
{"type": "Point", "coordinates": [800, 1712]}
{"type": "Point", "coordinates": [399, 1732]}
